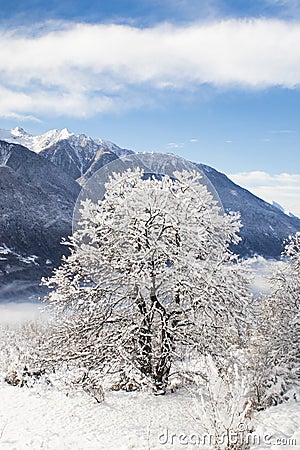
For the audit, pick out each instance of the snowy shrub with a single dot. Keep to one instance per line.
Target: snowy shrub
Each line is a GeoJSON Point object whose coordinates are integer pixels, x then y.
{"type": "Point", "coordinates": [24, 363]}
{"type": "Point", "coordinates": [223, 405]}
{"type": "Point", "coordinates": [19, 351]}
{"type": "Point", "coordinates": [92, 386]}
{"type": "Point", "coordinates": [71, 380]}
{"type": "Point", "coordinates": [150, 272]}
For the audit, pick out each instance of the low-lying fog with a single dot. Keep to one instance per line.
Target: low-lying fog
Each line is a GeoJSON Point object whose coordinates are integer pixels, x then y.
{"type": "Point", "coordinates": [17, 312]}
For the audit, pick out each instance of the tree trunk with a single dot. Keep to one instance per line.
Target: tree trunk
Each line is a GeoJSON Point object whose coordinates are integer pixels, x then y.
{"type": "Point", "coordinates": [145, 339]}
{"type": "Point", "coordinates": [162, 370]}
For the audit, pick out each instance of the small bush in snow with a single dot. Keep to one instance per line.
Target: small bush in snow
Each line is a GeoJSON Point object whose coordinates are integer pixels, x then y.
{"type": "Point", "coordinates": [223, 405]}
{"type": "Point", "coordinates": [20, 356]}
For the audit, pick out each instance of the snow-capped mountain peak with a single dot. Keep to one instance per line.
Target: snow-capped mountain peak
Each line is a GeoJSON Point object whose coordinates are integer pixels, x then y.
{"type": "Point", "coordinates": [46, 140]}
{"type": "Point", "coordinates": [18, 131]}
{"type": "Point", "coordinates": [73, 153]}
{"type": "Point", "coordinates": [65, 133]}
{"type": "Point", "coordinates": [37, 143]}
{"type": "Point", "coordinates": [50, 138]}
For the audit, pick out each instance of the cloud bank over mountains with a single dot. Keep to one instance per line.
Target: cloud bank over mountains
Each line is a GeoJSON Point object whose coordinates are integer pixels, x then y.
{"type": "Point", "coordinates": [82, 69]}
{"type": "Point", "coordinates": [283, 187]}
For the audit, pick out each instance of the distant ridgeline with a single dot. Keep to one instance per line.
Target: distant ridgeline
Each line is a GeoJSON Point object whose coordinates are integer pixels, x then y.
{"type": "Point", "coordinates": [39, 186]}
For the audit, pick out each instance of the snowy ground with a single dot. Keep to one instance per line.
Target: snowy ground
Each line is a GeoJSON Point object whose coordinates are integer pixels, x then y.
{"type": "Point", "coordinates": [279, 427]}
{"type": "Point", "coordinates": [31, 420]}
{"type": "Point", "coordinates": [46, 419]}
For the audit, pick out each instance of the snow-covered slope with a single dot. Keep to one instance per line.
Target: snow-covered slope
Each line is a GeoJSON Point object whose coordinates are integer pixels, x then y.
{"type": "Point", "coordinates": [36, 206]}
{"type": "Point", "coordinates": [35, 143]}
{"type": "Point", "coordinates": [41, 418]}
{"type": "Point", "coordinates": [113, 147]}
{"type": "Point", "coordinates": [73, 153]}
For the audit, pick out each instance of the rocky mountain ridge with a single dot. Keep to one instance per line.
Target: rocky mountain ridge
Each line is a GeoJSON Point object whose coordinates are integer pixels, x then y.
{"type": "Point", "coordinates": [38, 192]}
{"type": "Point", "coordinates": [36, 208]}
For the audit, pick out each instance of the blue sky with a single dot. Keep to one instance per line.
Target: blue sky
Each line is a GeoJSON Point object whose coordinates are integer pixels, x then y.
{"type": "Point", "coordinates": [215, 81]}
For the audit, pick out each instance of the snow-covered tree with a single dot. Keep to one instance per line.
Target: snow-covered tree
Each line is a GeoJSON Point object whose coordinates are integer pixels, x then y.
{"type": "Point", "coordinates": [150, 273]}
{"type": "Point", "coordinates": [275, 343]}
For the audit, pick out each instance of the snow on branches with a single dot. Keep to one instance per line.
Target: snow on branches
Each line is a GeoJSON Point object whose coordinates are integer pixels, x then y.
{"type": "Point", "coordinates": [150, 273]}
{"type": "Point", "coordinates": [274, 347]}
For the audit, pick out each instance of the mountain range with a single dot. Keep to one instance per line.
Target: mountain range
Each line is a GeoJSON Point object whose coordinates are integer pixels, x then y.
{"type": "Point", "coordinates": [40, 179]}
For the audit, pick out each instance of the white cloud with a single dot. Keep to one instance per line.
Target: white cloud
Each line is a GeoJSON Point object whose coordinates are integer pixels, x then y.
{"type": "Point", "coordinates": [174, 145]}
{"type": "Point", "coordinates": [285, 3]}
{"type": "Point", "coordinates": [283, 132]}
{"type": "Point", "coordinates": [283, 188]}
{"type": "Point", "coordinates": [82, 69]}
